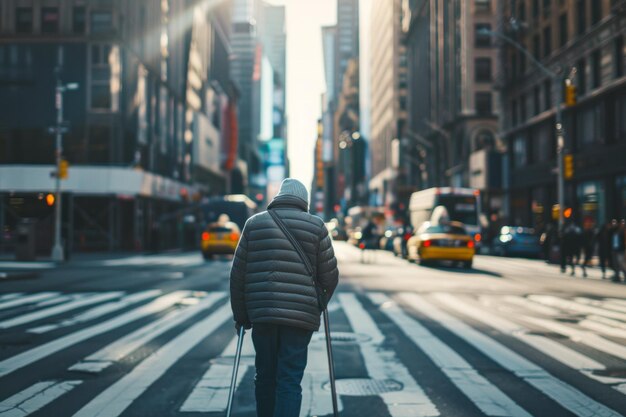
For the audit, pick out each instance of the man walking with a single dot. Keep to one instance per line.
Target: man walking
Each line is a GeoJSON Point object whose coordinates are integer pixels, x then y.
{"type": "Point", "coordinates": [618, 247]}
{"type": "Point", "coordinates": [272, 292]}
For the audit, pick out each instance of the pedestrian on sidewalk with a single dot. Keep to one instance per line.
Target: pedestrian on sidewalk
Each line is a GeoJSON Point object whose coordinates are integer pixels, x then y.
{"type": "Point", "coordinates": [571, 243]}
{"type": "Point", "coordinates": [272, 293]}
{"type": "Point", "coordinates": [603, 241]}
{"type": "Point", "coordinates": [588, 244]}
{"type": "Point", "coordinates": [618, 247]}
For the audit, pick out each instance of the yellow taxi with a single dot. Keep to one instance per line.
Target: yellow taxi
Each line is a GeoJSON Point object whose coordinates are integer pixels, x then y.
{"type": "Point", "coordinates": [441, 242]}
{"type": "Point", "coordinates": [219, 239]}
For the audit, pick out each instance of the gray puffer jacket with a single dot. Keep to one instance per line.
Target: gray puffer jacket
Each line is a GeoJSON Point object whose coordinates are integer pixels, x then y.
{"type": "Point", "coordinates": [268, 281]}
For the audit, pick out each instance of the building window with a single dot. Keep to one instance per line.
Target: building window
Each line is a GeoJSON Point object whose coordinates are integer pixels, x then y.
{"type": "Point", "coordinates": [520, 152]}
{"type": "Point", "coordinates": [24, 20]}
{"type": "Point", "coordinates": [596, 68]}
{"type": "Point", "coordinates": [484, 105]}
{"type": "Point", "coordinates": [483, 5]}
{"type": "Point", "coordinates": [99, 144]}
{"type": "Point", "coordinates": [483, 69]}
{"type": "Point", "coordinates": [547, 8]}
{"type": "Point", "coordinates": [482, 41]}
{"type": "Point", "coordinates": [547, 95]}
{"type": "Point", "coordinates": [523, 114]}
{"type": "Point", "coordinates": [79, 20]}
{"type": "Point", "coordinates": [101, 98]}
{"type": "Point", "coordinates": [596, 11]}
{"type": "Point", "coordinates": [101, 22]}
{"type": "Point", "coordinates": [547, 41]}
{"type": "Point", "coordinates": [590, 126]}
{"type": "Point", "coordinates": [514, 119]}
{"type": "Point", "coordinates": [537, 100]}
{"type": "Point", "coordinates": [535, 9]}
{"type": "Point", "coordinates": [618, 56]}
{"type": "Point", "coordinates": [563, 30]}
{"type": "Point", "coordinates": [581, 16]}
{"type": "Point", "coordinates": [49, 19]}
{"type": "Point", "coordinates": [620, 118]}
{"type": "Point", "coordinates": [581, 78]}
{"type": "Point", "coordinates": [537, 47]}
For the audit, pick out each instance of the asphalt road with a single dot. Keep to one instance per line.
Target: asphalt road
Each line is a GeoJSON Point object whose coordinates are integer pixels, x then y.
{"type": "Point", "coordinates": [153, 336]}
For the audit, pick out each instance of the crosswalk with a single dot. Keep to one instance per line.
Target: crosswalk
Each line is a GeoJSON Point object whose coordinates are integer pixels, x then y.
{"type": "Point", "coordinates": [113, 353]}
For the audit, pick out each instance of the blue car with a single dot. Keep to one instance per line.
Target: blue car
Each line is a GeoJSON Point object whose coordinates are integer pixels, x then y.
{"type": "Point", "coordinates": [517, 241]}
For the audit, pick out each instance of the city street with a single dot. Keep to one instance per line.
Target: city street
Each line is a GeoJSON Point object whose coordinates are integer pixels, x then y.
{"type": "Point", "coordinates": [153, 336]}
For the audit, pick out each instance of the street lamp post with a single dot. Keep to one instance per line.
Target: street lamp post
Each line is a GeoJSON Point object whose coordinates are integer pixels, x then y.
{"type": "Point", "coordinates": [59, 129]}
{"type": "Point", "coordinates": [558, 81]}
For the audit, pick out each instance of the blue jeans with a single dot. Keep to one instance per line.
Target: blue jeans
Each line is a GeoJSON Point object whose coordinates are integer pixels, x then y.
{"type": "Point", "coordinates": [281, 354]}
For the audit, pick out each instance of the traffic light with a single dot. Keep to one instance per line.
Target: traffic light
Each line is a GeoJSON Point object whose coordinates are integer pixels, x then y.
{"type": "Point", "coordinates": [63, 167]}
{"type": "Point", "coordinates": [570, 94]}
{"type": "Point", "coordinates": [50, 200]}
{"type": "Point", "coordinates": [568, 166]}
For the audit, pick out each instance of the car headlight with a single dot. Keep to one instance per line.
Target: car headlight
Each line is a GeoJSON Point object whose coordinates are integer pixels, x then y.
{"type": "Point", "coordinates": [506, 238]}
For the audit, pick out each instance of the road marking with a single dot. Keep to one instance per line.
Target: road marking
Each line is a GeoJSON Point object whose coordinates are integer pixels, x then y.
{"type": "Point", "coordinates": [487, 397]}
{"type": "Point", "coordinates": [27, 265]}
{"type": "Point", "coordinates": [582, 336]}
{"type": "Point", "coordinates": [97, 312]}
{"type": "Point", "coordinates": [10, 296]}
{"type": "Point", "coordinates": [574, 306]}
{"type": "Point", "coordinates": [210, 395]}
{"type": "Point", "coordinates": [382, 363]}
{"type": "Point", "coordinates": [529, 305]}
{"type": "Point", "coordinates": [28, 300]}
{"type": "Point", "coordinates": [608, 305]}
{"type": "Point", "coordinates": [122, 347]}
{"type": "Point", "coordinates": [567, 396]}
{"type": "Point", "coordinates": [56, 310]}
{"type": "Point", "coordinates": [119, 396]}
{"type": "Point", "coordinates": [545, 345]}
{"type": "Point", "coordinates": [316, 401]}
{"type": "Point", "coordinates": [30, 356]}
{"type": "Point", "coordinates": [35, 398]}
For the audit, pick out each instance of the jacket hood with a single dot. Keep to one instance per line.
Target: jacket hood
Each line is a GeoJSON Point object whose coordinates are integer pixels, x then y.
{"type": "Point", "coordinates": [294, 189]}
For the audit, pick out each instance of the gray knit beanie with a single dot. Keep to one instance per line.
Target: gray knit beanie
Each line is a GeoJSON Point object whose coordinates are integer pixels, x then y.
{"type": "Point", "coordinates": [294, 188]}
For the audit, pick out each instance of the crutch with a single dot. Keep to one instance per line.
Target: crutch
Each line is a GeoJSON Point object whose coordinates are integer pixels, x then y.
{"type": "Point", "coordinates": [331, 363]}
{"type": "Point", "coordinates": [233, 380]}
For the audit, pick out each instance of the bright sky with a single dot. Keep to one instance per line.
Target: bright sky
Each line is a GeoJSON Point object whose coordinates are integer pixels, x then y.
{"type": "Point", "coordinates": [305, 78]}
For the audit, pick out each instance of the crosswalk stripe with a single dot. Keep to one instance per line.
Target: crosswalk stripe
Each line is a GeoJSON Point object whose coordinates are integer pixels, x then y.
{"type": "Point", "coordinates": [10, 296]}
{"type": "Point", "coordinates": [562, 393]}
{"type": "Point", "coordinates": [30, 356]}
{"type": "Point", "coordinates": [122, 347]}
{"type": "Point", "coordinates": [119, 396]}
{"type": "Point", "coordinates": [555, 350]}
{"type": "Point", "coordinates": [575, 306]}
{"type": "Point", "coordinates": [608, 305]}
{"type": "Point", "coordinates": [210, 395]}
{"type": "Point", "coordinates": [316, 401]}
{"type": "Point", "coordinates": [56, 310]}
{"type": "Point", "coordinates": [581, 336]}
{"type": "Point", "coordinates": [487, 397]}
{"type": "Point", "coordinates": [27, 300]}
{"type": "Point", "coordinates": [97, 312]}
{"type": "Point", "coordinates": [530, 305]}
{"type": "Point", "coordinates": [35, 398]}
{"type": "Point", "coordinates": [383, 364]}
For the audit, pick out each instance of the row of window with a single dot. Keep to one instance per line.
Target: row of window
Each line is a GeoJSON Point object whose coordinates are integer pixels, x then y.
{"type": "Point", "coordinates": [588, 77]}
{"type": "Point", "coordinates": [100, 21]}
{"type": "Point", "coordinates": [598, 123]}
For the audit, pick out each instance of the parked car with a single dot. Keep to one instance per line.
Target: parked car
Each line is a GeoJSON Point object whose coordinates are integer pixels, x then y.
{"type": "Point", "coordinates": [219, 238]}
{"type": "Point", "coordinates": [517, 241]}
{"type": "Point", "coordinates": [442, 242]}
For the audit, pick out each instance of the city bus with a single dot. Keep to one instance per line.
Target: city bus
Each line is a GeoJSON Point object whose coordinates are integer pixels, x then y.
{"type": "Point", "coordinates": [462, 205]}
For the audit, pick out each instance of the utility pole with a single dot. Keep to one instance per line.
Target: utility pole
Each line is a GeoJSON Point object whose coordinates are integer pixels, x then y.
{"type": "Point", "coordinates": [559, 81]}
{"type": "Point", "coordinates": [59, 129]}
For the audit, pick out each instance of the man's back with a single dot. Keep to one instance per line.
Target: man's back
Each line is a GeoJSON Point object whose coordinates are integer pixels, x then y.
{"type": "Point", "coordinates": [269, 281]}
